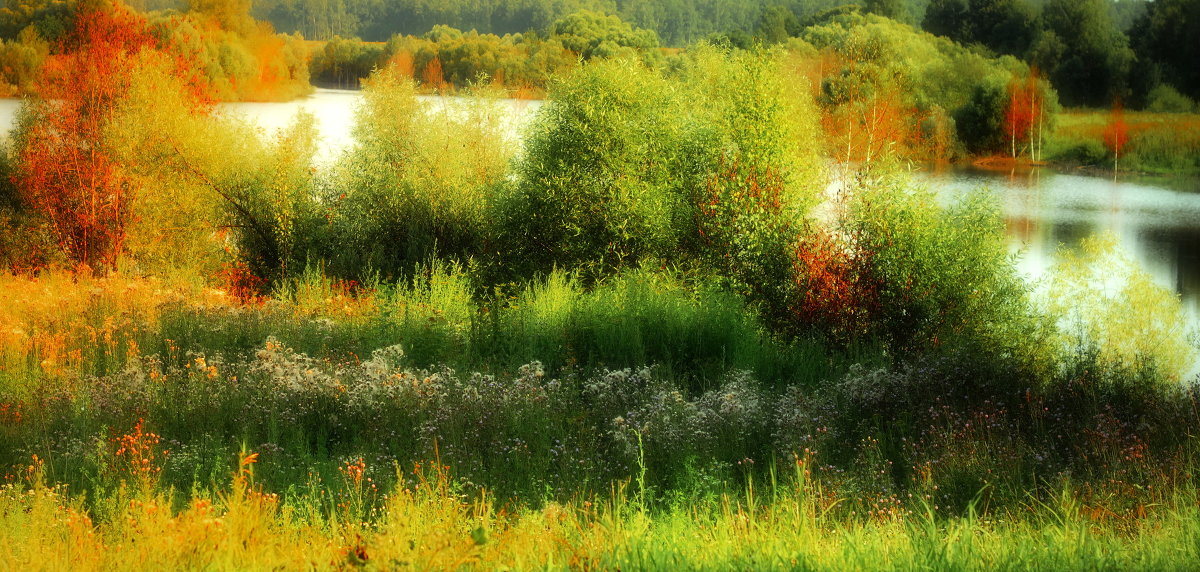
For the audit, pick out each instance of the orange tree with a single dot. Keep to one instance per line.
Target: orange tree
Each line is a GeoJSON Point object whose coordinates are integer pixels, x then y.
{"type": "Point", "coordinates": [65, 168]}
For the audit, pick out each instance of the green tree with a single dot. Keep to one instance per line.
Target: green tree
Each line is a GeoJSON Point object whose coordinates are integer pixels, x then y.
{"type": "Point", "coordinates": [418, 183]}
{"type": "Point", "coordinates": [894, 9]}
{"type": "Point", "coordinates": [1165, 39]}
{"type": "Point", "coordinates": [777, 24]}
{"type": "Point", "coordinates": [592, 34]}
{"type": "Point", "coordinates": [1003, 26]}
{"type": "Point", "coordinates": [1084, 54]}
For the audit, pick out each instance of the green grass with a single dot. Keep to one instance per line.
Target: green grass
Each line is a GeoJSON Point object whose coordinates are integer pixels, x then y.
{"type": "Point", "coordinates": [648, 422]}
{"type": "Point", "coordinates": [1159, 143]}
{"type": "Point", "coordinates": [786, 526]}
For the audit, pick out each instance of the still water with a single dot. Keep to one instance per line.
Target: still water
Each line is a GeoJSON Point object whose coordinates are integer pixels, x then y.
{"type": "Point", "coordinates": [1157, 223]}
{"type": "Point", "coordinates": [333, 113]}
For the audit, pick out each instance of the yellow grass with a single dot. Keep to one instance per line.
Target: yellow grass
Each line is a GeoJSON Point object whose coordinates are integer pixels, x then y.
{"type": "Point", "coordinates": [429, 527]}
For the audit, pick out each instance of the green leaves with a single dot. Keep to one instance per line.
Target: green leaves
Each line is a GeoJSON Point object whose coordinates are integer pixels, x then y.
{"type": "Point", "coordinates": [1103, 302]}
{"type": "Point", "coordinates": [619, 168]}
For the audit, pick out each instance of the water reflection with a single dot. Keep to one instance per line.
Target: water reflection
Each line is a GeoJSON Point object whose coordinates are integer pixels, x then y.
{"type": "Point", "coordinates": [333, 116]}
{"type": "Point", "coordinates": [1156, 222]}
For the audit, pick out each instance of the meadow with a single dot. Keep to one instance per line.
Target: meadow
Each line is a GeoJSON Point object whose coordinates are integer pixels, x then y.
{"type": "Point", "coordinates": [151, 423]}
{"type": "Point", "coordinates": [1156, 143]}
{"type": "Point", "coordinates": [661, 333]}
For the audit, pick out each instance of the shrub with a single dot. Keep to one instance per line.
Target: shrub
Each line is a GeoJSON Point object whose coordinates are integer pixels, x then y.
{"type": "Point", "coordinates": [268, 200]}
{"type": "Point", "coordinates": [942, 277]}
{"type": "Point", "coordinates": [418, 183]}
{"type": "Point", "coordinates": [598, 188]}
{"type": "Point", "coordinates": [1164, 98]}
{"type": "Point", "coordinates": [625, 167]}
{"type": "Point", "coordinates": [1093, 293]}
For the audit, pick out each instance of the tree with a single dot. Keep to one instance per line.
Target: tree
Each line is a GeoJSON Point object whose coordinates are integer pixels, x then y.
{"type": "Point", "coordinates": [1165, 39]}
{"type": "Point", "coordinates": [232, 15]}
{"type": "Point", "coordinates": [67, 168]}
{"type": "Point", "coordinates": [777, 24]}
{"type": "Point", "coordinates": [1083, 52]}
{"type": "Point", "coordinates": [1025, 113]}
{"type": "Point", "coordinates": [592, 34]}
{"type": "Point", "coordinates": [1116, 134]}
{"type": "Point", "coordinates": [1004, 26]}
{"type": "Point", "coordinates": [893, 9]}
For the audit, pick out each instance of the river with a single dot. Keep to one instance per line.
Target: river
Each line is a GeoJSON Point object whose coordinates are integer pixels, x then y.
{"type": "Point", "coordinates": [1158, 223]}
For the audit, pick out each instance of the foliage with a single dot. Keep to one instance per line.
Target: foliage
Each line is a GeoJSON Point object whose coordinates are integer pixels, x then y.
{"type": "Point", "coordinates": [1156, 142]}
{"type": "Point", "coordinates": [417, 185]}
{"type": "Point", "coordinates": [1090, 293]}
{"type": "Point", "coordinates": [890, 90]}
{"type": "Point", "coordinates": [940, 277]}
{"type": "Point", "coordinates": [442, 351]}
{"type": "Point", "coordinates": [268, 199]}
{"type": "Point", "coordinates": [21, 61]}
{"type": "Point", "coordinates": [1167, 99]}
{"type": "Point", "coordinates": [1163, 40]}
{"type": "Point", "coordinates": [449, 58]}
{"type": "Point", "coordinates": [606, 183]}
{"type": "Point", "coordinates": [1008, 116]}
{"type": "Point", "coordinates": [241, 59]}
{"type": "Point", "coordinates": [49, 19]}
{"type": "Point", "coordinates": [66, 168]}
{"type": "Point", "coordinates": [1003, 26]}
{"type": "Point", "coordinates": [1082, 52]}
{"type": "Point", "coordinates": [591, 34]}
{"type": "Point", "coordinates": [677, 24]}
{"type": "Point", "coordinates": [598, 186]}
{"type": "Point", "coordinates": [343, 62]}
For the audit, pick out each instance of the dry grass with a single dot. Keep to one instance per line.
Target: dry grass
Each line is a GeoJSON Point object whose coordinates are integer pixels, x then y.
{"type": "Point", "coordinates": [429, 527]}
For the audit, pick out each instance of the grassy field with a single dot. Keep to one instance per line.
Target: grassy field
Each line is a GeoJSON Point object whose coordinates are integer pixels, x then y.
{"type": "Point", "coordinates": [1159, 143]}
{"type": "Point", "coordinates": [151, 423]}
{"type": "Point", "coordinates": [429, 526]}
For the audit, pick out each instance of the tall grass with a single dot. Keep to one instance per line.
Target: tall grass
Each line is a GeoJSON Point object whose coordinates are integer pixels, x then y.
{"type": "Point", "coordinates": [1159, 143]}
{"type": "Point", "coordinates": [632, 320]}
{"type": "Point", "coordinates": [427, 525]}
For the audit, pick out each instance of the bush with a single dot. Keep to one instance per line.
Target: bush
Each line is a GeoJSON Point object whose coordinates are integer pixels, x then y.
{"type": "Point", "coordinates": [1164, 98]}
{"type": "Point", "coordinates": [1078, 151]}
{"type": "Point", "coordinates": [609, 182]}
{"type": "Point", "coordinates": [418, 183]}
{"type": "Point", "coordinates": [942, 278]}
{"type": "Point", "coordinates": [268, 200]}
{"type": "Point", "coordinates": [599, 187]}
{"type": "Point", "coordinates": [1091, 293]}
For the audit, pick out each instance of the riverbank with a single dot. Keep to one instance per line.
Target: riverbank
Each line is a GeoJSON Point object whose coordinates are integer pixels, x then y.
{"type": "Point", "coordinates": [1153, 143]}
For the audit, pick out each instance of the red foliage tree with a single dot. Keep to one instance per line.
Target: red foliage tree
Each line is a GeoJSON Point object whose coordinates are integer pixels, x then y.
{"type": "Point", "coordinates": [433, 77]}
{"type": "Point", "coordinates": [868, 129]}
{"type": "Point", "coordinates": [1023, 116]}
{"type": "Point", "coordinates": [1116, 135]}
{"type": "Point", "coordinates": [840, 296]}
{"type": "Point", "coordinates": [66, 170]}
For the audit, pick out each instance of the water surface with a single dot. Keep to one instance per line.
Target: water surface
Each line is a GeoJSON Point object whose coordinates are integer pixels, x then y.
{"type": "Point", "coordinates": [1156, 222]}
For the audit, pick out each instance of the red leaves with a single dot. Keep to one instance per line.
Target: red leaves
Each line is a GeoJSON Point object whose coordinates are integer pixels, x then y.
{"type": "Point", "coordinates": [1024, 112]}
{"type": "Point", "coordinates": [868, 128]}
{"type": "Point", "coordinates": [839, 297]}
{"type": "Point", "coordinates": [66, 170]}
{"type": "Point", "coordinates": [1116, 135]}
{"type": "Point", "coordinates": [432, 76]}
{"type": "Point", "coordinates": [806, 279]}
